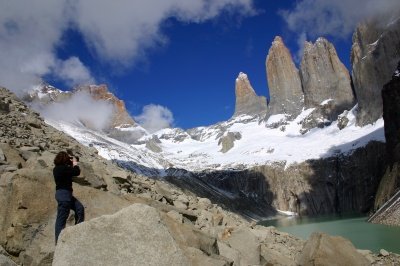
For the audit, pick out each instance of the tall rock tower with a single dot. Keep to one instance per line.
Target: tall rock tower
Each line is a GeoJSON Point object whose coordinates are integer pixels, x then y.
{"type": "Point", "coordinates": [247, 101]}
{"type": "Point", "coordinates": [374, 56]}
{"type": "Point", "coordinates": [283, 81]}
{"type": "Point", "coordinates": [324, 76]}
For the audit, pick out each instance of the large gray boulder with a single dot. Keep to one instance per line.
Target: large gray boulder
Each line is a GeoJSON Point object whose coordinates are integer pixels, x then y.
{"type": "Point", "coordinates": [322, 249]}
{"type": "Point", "coordinates": [324, 77]}
{"type": "Point", "coordinates": [283, 81]}
{"type": "Point", "coordinates": [247, 244]}
{"type": "Point", "coordinates": [247, 101]}
{"type": "Point", "coordinates": [374, 56]}
{"type": "Point", "coordinates": [133, 236]}
{"type": "Point", "coordinates": [6, 261]}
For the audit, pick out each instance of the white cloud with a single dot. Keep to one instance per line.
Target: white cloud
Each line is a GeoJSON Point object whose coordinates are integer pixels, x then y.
{"type": "Point", "coordinates": [118, 32]}
{"type": "Point", "coordinates": [121, 31]}
{"type": "Point", "coordinates": [81, 108]}
{"type": "Point", "coordinates": [28, 32]}
{"type": "Point", "coordinates": [336, 18]}
{"type": "Point", "coordinates": [73, 72]}
{"type": "Point", "coordinates": [300, 44]}
{"type": "Point", "coordinates": [155, 117]}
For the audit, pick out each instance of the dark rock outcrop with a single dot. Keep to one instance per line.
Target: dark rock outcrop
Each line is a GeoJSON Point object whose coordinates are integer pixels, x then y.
{"type": "Point", "coordinates": [283, 81]}
{"type": "Point", "coordinates": [391, 114]}
{"type": "Point", "coordinates": [374, 56]}
{"type": "Point", "coordinates": [247, 101]}
{"type": "Point", "coordinates": [228, 141]}
{"type": "Point", "coordinates": [324, 77]}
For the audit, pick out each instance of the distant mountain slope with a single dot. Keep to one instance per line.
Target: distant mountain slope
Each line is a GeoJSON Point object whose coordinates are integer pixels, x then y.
{"type": "Point", "coordinates": [256, 143]}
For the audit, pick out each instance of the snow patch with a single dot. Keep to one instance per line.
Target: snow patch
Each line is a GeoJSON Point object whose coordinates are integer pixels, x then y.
{"type": "Point", "coordinates": [287, 213]}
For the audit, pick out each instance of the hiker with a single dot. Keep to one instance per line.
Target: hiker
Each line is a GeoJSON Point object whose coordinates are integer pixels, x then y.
{"type": "Point", "coordinates": [65, 168]}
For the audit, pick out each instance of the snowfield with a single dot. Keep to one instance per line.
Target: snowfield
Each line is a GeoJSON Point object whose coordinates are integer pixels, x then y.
{"type": "Point", "coordinates": [198, 149]}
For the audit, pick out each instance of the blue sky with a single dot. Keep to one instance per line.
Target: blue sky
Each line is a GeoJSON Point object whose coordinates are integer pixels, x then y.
{"type": "Point", "coordinates": [181, 55]}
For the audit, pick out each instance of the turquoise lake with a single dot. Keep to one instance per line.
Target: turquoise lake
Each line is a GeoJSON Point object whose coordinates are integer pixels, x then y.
{"type": "Point", "coordinates": [363, 235]}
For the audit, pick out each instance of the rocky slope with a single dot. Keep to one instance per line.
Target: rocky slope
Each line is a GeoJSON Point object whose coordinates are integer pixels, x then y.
{"type": "Point", "coordinates": [374, 56]}
{"type": "Point", "coordinates": [283, 81]}
{"type": "Point", "coordinates": [247, 101]}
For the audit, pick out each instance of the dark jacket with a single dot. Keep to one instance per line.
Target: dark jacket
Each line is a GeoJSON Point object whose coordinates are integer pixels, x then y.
{"type": "Point", "coordinates": [63, 176]}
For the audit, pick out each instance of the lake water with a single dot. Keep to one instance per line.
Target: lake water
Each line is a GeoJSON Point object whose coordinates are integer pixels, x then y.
{"type": "Point", "coordinates": [363, 235]}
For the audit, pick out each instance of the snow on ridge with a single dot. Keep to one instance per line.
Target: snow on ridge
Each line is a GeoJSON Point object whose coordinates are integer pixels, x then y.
{"type": "Point", "coordinates": [258, 145]}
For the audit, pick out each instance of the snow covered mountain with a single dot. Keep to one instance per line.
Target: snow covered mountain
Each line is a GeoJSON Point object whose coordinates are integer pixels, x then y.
{"type": "Point", "coordinates": [253, 142]}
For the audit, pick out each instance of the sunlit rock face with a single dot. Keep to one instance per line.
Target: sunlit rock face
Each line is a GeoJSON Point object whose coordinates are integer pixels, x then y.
{"type": "Point", "coordinates": [247, 101]}
{"type": "Point", "coordinates": [374, 56]}
{"type": "Point", "coordinates": [283, 81]}
{"type": "Point", "coordinates": [325, 77]}
{"type": "Point", "coordinates": [101, 92]}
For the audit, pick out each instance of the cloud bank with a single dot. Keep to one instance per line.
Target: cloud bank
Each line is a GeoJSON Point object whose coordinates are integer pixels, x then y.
{"type": "Point", "coordinates": [335, 18]}
{"type": "Point", "coordinates": [80, 109]}
{"type": "Point", "coordinates": [116, 32]}
{"type": "Point", "coordinates": [155, 117]}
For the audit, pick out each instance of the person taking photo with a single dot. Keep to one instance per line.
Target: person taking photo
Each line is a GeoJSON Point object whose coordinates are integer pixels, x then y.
{"type": "Point", "coordinates": [65, 168]}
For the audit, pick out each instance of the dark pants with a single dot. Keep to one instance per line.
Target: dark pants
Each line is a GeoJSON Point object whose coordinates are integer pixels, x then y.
{"type": "Point", "coordinates": [65, 204]}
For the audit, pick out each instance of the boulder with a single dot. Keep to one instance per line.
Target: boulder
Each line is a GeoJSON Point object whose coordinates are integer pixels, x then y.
{"type": "Point", "coordinates": [6, 261]}
{"type": "Point", "coordinates": [322, 249]}
{"type": "Point", "coordinates": [248, 245]}
{"type": "Point", "coordinates": [199, 258]}
{"type": "Point", "coordinates": [135, 235]}
{"type": "Point", "coordinates": [2, 156]}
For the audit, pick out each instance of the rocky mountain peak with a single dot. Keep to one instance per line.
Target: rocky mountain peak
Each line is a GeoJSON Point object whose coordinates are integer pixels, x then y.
{"type": "Point", "coordinates": [278, 41]}
{"type": "Point", "coordinates": [101, 92]}
{"type": "Point", "coordinates": [374, 56]}
{"type": "Point", "coordinates": [45, 93]}
{"type": "Point", "coordinates": [324, 76]}
{"type": "Point", "coordinates": [283, 80]}
{"type": "Point", "coordinates": [247, 101]}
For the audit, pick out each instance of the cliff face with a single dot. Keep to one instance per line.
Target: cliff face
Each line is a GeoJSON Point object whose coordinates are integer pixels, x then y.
{"type": "Point", "coordinates": [283, 81]}
{"type": "Point", "coordinates": [331, 185]}
{"type": "Point", "coordinates": [374, 56]}
{"type": "Point", "coordinates": [391, 115]}
{"type": "Point", "coordinates": [323, 77]}
{"type": "Point", "coordinates": [247, 101]}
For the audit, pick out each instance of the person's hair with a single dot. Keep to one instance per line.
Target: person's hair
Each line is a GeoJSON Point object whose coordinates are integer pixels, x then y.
{"type": "Point", "coordinates": [62, 158]}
